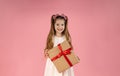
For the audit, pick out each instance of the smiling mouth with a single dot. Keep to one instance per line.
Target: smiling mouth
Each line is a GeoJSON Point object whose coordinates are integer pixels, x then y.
{"type": "Point", "coordinates": [59, 29]}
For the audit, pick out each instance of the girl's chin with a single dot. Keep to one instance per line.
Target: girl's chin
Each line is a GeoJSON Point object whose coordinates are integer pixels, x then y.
{"type": "Point", "coordinates": [59, 31]}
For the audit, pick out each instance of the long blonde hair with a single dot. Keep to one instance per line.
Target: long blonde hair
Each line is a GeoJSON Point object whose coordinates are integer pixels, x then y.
{"type": "Point", "coordinates": [52, 32]}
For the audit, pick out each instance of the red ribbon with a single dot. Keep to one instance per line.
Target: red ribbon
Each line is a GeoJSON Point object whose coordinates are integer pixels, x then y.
{"type": "Point", "coordinates": [64, 53]}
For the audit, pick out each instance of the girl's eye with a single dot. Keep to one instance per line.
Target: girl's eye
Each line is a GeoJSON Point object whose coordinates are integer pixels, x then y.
{"type": "Point", "coordinates": [57, 24]}
{"type": "Point", "coordinates": [62, 24]}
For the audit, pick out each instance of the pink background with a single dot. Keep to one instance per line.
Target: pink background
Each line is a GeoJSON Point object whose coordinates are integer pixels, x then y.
{"type": "Point", "coordinates": [93, 24]}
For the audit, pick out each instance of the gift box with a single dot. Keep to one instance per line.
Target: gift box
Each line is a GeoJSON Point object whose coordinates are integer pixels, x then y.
{"type": "Point", "coordinates": [63, 56]}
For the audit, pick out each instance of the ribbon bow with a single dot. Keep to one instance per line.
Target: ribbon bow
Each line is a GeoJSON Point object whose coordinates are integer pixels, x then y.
{"type": "Point", "coordinates": [64, 53]}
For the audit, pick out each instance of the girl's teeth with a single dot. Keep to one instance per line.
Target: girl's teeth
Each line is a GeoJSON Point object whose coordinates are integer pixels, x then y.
{"type": "Point", "coordinates": [59, 29]}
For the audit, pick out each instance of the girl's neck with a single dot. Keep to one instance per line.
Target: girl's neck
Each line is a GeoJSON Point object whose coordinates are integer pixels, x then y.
{"type": "Point", "coordinates": [58, 35]}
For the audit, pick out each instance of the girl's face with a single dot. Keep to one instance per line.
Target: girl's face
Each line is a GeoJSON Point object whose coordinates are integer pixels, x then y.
{"type": "Point", "coordinates": [59, 26]}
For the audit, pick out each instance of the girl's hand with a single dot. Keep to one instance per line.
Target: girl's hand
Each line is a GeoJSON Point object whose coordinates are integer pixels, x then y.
{"type": "Point", "coordinates": [46, 53]}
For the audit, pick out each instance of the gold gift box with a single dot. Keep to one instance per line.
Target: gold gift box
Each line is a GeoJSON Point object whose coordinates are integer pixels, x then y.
{"type": "Point", "coordinates": [63, 56]}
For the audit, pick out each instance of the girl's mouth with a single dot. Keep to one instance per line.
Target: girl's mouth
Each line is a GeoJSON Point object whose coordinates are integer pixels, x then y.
{"type": "Point", "coordinates": [59, 29]}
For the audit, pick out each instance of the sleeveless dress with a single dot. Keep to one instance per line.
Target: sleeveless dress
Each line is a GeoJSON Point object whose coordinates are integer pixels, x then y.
{"type": "Point", "coordinates": [50, 69]}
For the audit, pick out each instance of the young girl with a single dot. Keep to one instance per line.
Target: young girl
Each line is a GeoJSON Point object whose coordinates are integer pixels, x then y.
{"type": "Point", "coordinates": [58, 33]}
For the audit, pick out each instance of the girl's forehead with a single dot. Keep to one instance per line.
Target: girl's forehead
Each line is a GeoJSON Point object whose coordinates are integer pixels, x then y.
{"type": "Point", "coordinates": [59, 20]}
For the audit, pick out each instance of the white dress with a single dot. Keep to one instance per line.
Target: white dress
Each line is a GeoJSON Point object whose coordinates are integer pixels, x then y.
{"type": "Point", "coordinates": [50, 69]}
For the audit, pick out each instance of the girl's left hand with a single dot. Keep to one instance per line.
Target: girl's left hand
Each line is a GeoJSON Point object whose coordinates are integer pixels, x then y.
{"type": "Point", "coordinates": [46, 53]}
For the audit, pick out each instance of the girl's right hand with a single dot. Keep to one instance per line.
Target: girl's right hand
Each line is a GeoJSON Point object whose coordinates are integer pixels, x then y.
{"type": "Point", "coordinates": [46, 53]}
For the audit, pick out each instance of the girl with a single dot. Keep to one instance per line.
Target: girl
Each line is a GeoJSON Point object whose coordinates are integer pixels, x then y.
{"type": "Point", "coordinates": [58, 33]}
